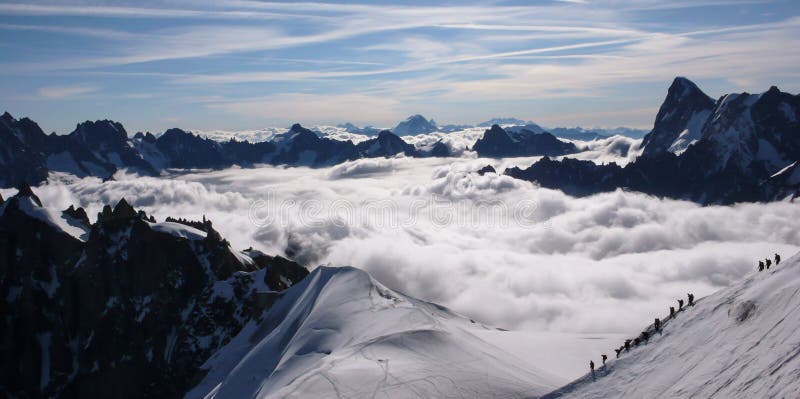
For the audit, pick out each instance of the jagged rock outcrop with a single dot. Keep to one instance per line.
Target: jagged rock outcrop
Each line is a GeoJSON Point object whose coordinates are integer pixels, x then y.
{"type": "Point", "coordinates": [123, 307]}
{"type": "Point", "coordinates": [497, 142]}
{"type": "Point", "coordinates": [486, 169]}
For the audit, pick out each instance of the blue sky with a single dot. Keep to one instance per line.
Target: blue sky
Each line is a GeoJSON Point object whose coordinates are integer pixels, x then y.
{"type": "Point", "coordinates": [241, 64]}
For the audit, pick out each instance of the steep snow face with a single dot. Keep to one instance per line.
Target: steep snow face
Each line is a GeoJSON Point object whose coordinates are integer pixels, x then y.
{"type": "Point", "coordinates": [740, 342]}
{"type": "Point", "coordinates": [62, 223]}
{"type": "Point", "coordinates": [692, 132]}
{"type": "Point", "coordinates": [339, 332]}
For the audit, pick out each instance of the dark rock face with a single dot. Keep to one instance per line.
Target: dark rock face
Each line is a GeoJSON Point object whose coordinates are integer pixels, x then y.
{"type": "Point", "coordinates": [440, 150]}
{"type": "Point", "coordinates": [20, 161]}
{"type": "Point", "coordinates": [387, 144]}
{"type": "Point", "coordinates": [685, 107]}
{"type": "Point", "coordinates": [744, 152]}
{"type": "Point", "coordinates": [497, 143]}
{"type": "Point", "coordinates": [301, 146]}
{"type": "Point", "coordinates": [486, 169]}
{"type": "Point", "coordinates": [130, 309]}
{"type": "Point", "coordinates": [186, 150]}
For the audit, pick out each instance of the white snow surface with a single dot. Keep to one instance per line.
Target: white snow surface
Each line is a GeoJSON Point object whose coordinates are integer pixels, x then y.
{"type": "Point", "coordinates": [740, 342]}
{"type": "Point", "coordinates": [61, 222]}
{"type": "Point", "coordinates": [179, 230]}
{"type": "Point", "coordinates": [339, 333]}
{"type": "Point", "coordinates": [692, 133]}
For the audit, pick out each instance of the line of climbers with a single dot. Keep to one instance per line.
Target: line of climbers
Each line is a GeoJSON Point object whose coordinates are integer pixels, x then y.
{"type": "Point", "coordinates": [768, 263]}
{"type": "Point", "coordinates": [644, 337]}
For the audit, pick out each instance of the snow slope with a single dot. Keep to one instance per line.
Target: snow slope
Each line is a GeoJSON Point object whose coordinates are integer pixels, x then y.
{"type": "Point", "coordinates": [740, 342]}
{"type": "Point", "coordinates": [339, 333]}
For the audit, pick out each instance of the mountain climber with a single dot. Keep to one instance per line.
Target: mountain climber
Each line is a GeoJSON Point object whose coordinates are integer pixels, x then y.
{"type": "Point", "coordinates": [591, 367]}
{"type": "Point", "coordinates": [761, 265]}
{"type": "Point", "coordinates": [636, 341]}
{"type": "Point", "coordinates": [627, 345]}
{"type": "Point", "coordinates": [777, 259]}
{"type": "Point", "coordinates": [769, 263]}
{"type": "Point", "coordinates": [645, 337]}
{"type": "Point", "coordinates": [671, 311]}
{"type": "Point", "coordinates": [691, 299]}
{"type": "Point", "coordinates": [680, 304]}
{"type": "Point", "coordinates": [657, 325]}
{"type": "Point", "coordinates": [604, 359]}
{"type": "Point", "coordinates": [619, 351]}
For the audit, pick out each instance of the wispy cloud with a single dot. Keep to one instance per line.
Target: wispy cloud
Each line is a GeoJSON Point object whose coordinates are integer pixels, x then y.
{"type": "Point", "coordinates": [433, 55]}
{"type": "Point", "coordinates": [60, 92]}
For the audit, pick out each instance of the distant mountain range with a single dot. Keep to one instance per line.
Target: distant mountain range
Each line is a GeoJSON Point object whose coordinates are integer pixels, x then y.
{"type": "Point", "coordinates": [418, 124]}
{"type": "Point", "coordinates": [741, 147]}
{"type": "Point", "coordinates": [101, 148]}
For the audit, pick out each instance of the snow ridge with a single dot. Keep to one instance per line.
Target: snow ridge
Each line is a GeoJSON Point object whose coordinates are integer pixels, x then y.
{"type": "Point", "coordinates": [740, 342]}
{"type": "Point", "coordinates": [339, 332]}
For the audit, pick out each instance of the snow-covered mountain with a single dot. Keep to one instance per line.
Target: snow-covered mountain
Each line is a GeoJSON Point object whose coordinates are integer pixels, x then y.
{"type": "Point", "coordinates": [340, 333]}
{"type": "Point", "coordinates": [415, 124]}
{"type": "Point", "coordinates": [727, 151]}
{"type": "Point", "coordinates": [740, 342]}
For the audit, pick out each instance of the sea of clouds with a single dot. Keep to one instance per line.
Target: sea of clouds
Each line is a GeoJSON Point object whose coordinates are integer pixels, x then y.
{"type": "Point", "coordinates": [500, 250]}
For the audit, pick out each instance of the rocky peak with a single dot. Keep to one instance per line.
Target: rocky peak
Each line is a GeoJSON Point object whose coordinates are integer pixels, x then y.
{"type": "Point", "coordinates": [77, 213]}
{"type": "Point", "coordinates": [415, 124]}
{"type": "Point", "coordinates": [680, 119]}
{"type": "Point", "coordinates": [123, 210]}
{"type": "Point", "coordinates": [100, 132]}
{"type": "Point", "coordinates": [175, 133]}
{"type": "Point", "coordinates": [7, 118]}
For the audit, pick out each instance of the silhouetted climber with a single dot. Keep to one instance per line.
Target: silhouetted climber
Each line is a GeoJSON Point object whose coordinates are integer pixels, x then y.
{"type": "Point", "coordinates": [691, 299]}
{"type": "Point", "coordinates": [777, 259]}
{"type": "Point", "coordinates": [769, 263]}
{"type": "Point", "coordinates": [604, 359]}
{"type": "Point", "coordinates": [657, 325]}
{"type": "Point", "coordinates": [619, 351]}
{"type": "Point", "coordinates": [645, 337]}
{"type": "Point", "coordinates": [680, 304]}
{"type": "Point", "coordinates": [591, 367]}
{"type": "Point", "coordinates": [627, 345]}
{"type": "Point", "coordinates": [671, 311]}
{"type": "Point", "coordinates": [761, 265]}
{"type": "Point", "coordinates": [636, 341]}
